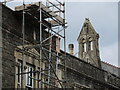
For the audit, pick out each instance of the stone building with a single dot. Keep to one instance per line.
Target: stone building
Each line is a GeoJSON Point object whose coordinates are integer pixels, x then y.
{"type": "Point", "coordinates": [22, 70]}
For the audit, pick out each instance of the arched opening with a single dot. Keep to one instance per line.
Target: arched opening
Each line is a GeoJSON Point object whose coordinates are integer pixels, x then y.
{"type": "Point", "coordinates": [84, 46]}
{"type": "Point", "coordinates": [91, 45]}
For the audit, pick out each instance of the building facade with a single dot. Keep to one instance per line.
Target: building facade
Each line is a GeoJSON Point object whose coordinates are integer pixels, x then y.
{"type": "Point", "coordinates": [21, 67]}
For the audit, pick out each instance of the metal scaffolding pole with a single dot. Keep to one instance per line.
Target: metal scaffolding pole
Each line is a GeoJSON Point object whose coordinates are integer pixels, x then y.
{"type": "Point", "coordinates": [23, 42]}
{"type": "Point", "coordinates": [50, 49]}
{"type": "Point", "coordinates": [40, 29]}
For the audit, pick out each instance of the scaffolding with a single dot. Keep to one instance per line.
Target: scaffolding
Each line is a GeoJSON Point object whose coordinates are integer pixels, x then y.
{"type": "Point", "coordinates": [51, 17]}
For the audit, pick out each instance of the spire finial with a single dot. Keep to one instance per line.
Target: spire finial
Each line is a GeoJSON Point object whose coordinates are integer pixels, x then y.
{"type": "Point", "coordinates": [87, 19]}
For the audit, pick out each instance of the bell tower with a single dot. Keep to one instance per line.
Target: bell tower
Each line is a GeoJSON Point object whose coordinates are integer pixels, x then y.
{"type": "Point", "coordinates": [88, 44]}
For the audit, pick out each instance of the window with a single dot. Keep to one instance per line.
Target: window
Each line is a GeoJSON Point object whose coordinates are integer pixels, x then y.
{"type": "Point", "coordinates": [29, 77]}
{"type": "Point", "coordinates": [19, 74]}
{"type": "Point", "coordinates": [85, 47]}
{"type": "Point", "coordinates": [91, 45]}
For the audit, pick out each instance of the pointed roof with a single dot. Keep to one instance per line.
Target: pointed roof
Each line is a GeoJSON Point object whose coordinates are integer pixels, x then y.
{"type": "Point", "coordinates": [87, 28]}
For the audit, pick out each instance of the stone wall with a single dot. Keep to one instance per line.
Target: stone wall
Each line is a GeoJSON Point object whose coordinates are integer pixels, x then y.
{"type": "Point", "coordinates": [78, 71]}
{"type": "Point", "coordinates": [83, 73]}
{"type": "Point", "coordinates": [9, 42]}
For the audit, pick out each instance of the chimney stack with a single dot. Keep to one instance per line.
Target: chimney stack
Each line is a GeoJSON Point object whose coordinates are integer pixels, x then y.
{"type": "Point", "coordinates": [71, 49]}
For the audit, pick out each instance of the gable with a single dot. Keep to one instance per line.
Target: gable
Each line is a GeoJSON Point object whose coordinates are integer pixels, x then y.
{"type": "Point", "coordinates": [87, 29]}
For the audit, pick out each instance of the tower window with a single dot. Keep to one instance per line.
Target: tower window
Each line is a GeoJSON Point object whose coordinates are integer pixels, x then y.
{"type": "Point", "coordinates": [85, 47]}
{"type": "Point", "coordinates": [91, 45]}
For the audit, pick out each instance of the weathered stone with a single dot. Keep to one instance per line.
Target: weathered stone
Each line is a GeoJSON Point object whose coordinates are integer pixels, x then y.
{"type": "Point", "coordinates": [78, 71]}
{"type": "Point", "coordinates": [88, 44]}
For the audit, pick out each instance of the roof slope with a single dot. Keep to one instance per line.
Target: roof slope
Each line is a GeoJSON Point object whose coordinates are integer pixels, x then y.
{"type": "Point", "coordinates": [87, 28]}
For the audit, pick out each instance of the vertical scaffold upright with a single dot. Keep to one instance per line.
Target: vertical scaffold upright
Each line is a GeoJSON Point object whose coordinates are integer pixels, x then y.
{"type": "Point", "coordinates": [23, 42]}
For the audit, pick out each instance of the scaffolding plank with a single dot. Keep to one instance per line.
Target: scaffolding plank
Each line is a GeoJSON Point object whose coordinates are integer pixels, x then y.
{"type": "Point", "coordinates": [45, 8]}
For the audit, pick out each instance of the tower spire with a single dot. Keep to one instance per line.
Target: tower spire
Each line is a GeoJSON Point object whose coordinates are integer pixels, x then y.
{"type": "Point", "coordinates": [88, 44]}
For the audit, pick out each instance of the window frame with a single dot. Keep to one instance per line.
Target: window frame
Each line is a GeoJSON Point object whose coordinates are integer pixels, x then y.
{"type": "Point", "coordinates": [29, 76]}
{"type": "Point", "coordinates": [91, 45]}
{"type": "Point", "coordinates": [19, 71]}
{"type": "Point", "coordinates": [85, 47]}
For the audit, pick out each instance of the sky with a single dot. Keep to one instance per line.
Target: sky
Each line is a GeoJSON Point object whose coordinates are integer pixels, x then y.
{"type": "Point", "coordinates": [104, 18]}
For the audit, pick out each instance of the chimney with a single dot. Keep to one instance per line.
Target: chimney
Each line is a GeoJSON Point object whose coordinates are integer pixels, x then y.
{"type": "Point", "coordinates": [71, 49]}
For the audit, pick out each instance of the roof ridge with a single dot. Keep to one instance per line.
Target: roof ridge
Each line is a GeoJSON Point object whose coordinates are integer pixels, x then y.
{"type": "Point", "coordinates": [111, 64]}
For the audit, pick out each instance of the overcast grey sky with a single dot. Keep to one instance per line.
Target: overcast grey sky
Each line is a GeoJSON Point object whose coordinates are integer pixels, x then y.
{"type": "Point", "coordinates": [104, 18]}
